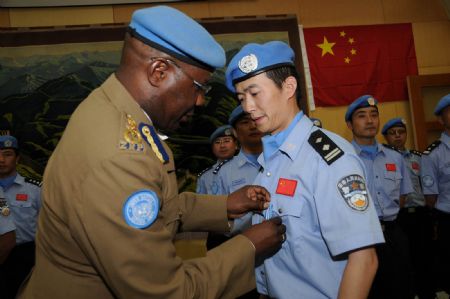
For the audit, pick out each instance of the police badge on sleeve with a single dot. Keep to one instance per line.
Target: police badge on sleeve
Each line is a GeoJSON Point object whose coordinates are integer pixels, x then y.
{"type": "Point", "coordinates": [353, 190]}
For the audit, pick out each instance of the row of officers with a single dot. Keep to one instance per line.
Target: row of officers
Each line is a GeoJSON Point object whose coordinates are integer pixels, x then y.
{"type": "Point", "coordinates": [315, 216]}
{"type": "Point", "coordinates": [410, 190]}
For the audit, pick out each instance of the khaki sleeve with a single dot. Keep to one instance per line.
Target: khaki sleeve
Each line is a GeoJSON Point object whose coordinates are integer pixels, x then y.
{"type": "Point", "coordinates": [142, 263]}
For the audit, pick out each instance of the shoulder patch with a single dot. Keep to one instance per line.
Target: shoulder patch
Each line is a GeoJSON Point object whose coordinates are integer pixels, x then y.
{"type": "Point", "coordinates": [414, 152]}
{"type": "Point", "coordinates": [33, 182]}
{"type": "Point", "coordinates": [431, 147]}
{"type": "Point", "coordinates": [216, 170]}
{"type": "Point", "coordinates": [392, 148]}
{"type": "Point", "coordinates": [203, 171]}
{"type": "Point", "coordinates": [327, 149]}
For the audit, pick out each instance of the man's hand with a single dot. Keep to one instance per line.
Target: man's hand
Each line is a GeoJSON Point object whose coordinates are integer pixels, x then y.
{"type": "Point", "coordinates": [246, 199]}
{"type": "Point", "coordinates": [267, 237]}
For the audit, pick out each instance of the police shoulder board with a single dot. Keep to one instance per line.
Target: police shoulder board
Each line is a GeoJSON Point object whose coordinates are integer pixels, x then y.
{"type": "Point", "coordinates": [392, 148]}
{"type": "Point", "coordinates": [431, 147]}
{"type": "Point", "coordinates": [414, 152]}
{"type": "Point", "coordinates": [216, 170]}
{"type": "Point", "coordinates": [203, 171]}
{"type": "Point", "coordinates": [327, 149]}
{"type": "Point", "coordinates": [33, 182]}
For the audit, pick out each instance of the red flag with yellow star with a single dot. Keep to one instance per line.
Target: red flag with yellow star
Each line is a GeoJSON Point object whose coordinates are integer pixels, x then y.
{"type": "Point", "coordinates": [349, 61]}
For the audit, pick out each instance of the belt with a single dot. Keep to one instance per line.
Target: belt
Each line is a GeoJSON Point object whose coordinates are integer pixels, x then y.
{"type": "Point", "coordinates": [411, 210]}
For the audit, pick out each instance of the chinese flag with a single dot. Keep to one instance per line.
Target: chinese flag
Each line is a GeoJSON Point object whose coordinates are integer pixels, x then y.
{"type": "Point", "coordinates": [350, 61]}
{"type": "Point", "coordinates": [286, 187]}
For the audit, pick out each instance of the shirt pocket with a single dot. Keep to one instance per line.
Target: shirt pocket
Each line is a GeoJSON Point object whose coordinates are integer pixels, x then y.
{"type": "Point", "coordinates": [392, 182]}
{"type": "Point", "coordinates": [291, 213]}
{"type": "Point", "coordinates": [21, 204]}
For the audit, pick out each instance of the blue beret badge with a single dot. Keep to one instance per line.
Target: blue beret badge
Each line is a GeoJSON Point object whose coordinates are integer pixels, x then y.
{"type": "Point", "coordinates": [248, 63]}
{"type": "Point", "coordinates": [141, 209]}
{"type": "Point", "coordinates": [353, 190]}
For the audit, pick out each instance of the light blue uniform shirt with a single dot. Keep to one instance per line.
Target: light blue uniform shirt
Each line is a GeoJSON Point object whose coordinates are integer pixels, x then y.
{"type": "Point", "coordinates": [387, 179]}
{"type": "Point", "coordinates": [436, 173]}
{"type": "Point", "coordinates": [207, 182]}
{"type": "Point", "coordinates": [24, 200]}
{"type": "Point", "coordinates": [315, 202]}
{"type": "Point", "coordinates": [413, 162]}
{"type": "Point", "coordinates": [6, 221]}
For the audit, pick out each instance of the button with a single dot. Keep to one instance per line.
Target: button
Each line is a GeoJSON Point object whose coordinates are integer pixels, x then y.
{"type": "Point", "coordinates": [280, 211]}
{"type": "Point", "coordinates": [378, 193]}
{"type": "Point", "coordinates": [268, 174]}
{"type": "Point", "coordinates": [376, 176]}
{"type": "Point", "coordinates": [262, 273]}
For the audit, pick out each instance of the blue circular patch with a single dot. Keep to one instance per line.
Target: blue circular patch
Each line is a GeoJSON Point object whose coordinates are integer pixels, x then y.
{"type": "Point", "coordinates": [141, 209]}
{"type": "Point", "coordinates": [427, 181]}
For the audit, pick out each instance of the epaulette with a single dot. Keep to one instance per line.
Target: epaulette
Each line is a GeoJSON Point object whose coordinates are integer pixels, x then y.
{"type": "Point", "coordinates": [33, 181]}
{"type": "Point", "coordinates": [327, 149]}
{"type": "Point", "coordinates": [392, 148]}
{"type": "Point", "coordinates": [414, 152]}
{"type": "Point", "coordinates": [203, 171]}
{"type": "Point", "coordinates": [216, 170]}
{"type": "Point", "coordinates": [431, 147]}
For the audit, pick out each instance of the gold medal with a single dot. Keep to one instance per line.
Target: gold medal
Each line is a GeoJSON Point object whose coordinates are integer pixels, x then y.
{"type": "Point", "coordinates": [5, 211]}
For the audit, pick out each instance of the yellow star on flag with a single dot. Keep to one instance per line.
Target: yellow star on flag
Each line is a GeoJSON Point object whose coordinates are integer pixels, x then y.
{"type": "Point", "coordinates": [351, 40]}
{"type": "Point", "coordinates": [326, 47]}
{"type": "Point", "coordinates": [353, 51]}
{"type": "Point", "coordinates": [347, 60]}
{"type": "Point", "coordinates": [342, 33]}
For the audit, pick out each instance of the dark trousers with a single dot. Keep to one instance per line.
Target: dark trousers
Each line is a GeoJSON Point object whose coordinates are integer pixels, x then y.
{"type": "Point", "coordinates": [443, 250]}
{"type": "Point", "coordinates": [417, 223]}
{"type": "Point", "coordinates": [394, 279]}
{"type": "Point", "coordinates": [16, 268]}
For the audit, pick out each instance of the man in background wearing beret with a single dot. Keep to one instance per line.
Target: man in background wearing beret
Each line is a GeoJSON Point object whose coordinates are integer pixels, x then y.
{"type": "Point", "coordinates": [436, 187]}
{"type": "Point", "coordinates": [223, 145]}
{"type": "Point", "coordinates": [414, 218]}
{"type": "Point", "coordinates": [111, 207]}
{"type": "Point", "coordinates": [316, 181]}
{"type": "Point", "coordinates": [388, 183]}
{"type": "Point", "coordinates": [23, 201]}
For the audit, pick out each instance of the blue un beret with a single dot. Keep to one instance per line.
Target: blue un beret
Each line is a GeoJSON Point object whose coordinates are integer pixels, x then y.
{"type": "Point", "coordinates": [444, 102]}
{"type": "Point", "coordinates": [172, 32]}
{"type": "Point", "coordinates": [8, 141]}
{"type": "Point", "coordinates": [235, 115]}
{"type": "Point", "coordinates": [361, 102]}
{"type": "Point", "coordinates": [225, 130]}
{"type": "Point", "coordinates": [395, 122]}
{"type": "Point", "coordinates": [254, 59]}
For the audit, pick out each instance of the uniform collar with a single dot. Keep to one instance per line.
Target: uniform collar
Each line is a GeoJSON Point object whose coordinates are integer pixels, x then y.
{"type": "Point", "coordinates": [242, 159]}
{"type": "Point", "coordinates": [445, 139]}
{"type": "Point", "coordinates": [358, 149]}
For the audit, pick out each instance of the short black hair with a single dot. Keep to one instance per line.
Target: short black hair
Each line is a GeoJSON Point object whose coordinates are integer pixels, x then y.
{"type": "Point", "coordinates": [280, 74]}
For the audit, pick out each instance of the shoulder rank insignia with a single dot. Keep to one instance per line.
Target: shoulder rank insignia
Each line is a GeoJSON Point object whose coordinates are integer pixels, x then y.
{"type": "Point", "coordinates": [392, 148]}
{"type": "Point", "coordinates": [153, 140]}
{"type": "Point", "coordinates": [203, 171]}
{"type": "Point", "coordinates": [414, 152]}
{"type": "Point", "coordinates": [431, 147]}
{"type": "Point", "coordinates": [132, 139]}
{"type": "Point", "coordinates": [216, 170]}
{"type": "Point", "coordinates": [33, 181]}
{"type": "Point", "coordinates": [327, 149]}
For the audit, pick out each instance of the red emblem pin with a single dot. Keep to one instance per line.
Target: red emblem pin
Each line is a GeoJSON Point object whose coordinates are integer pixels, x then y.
{"type": "Point", "coordinates": [286, 187]}
{"type": "Point", "coordinates": [391, 167]}
{"type": "Point", "coordinates": [22, 197]}
{"type": "Point", "coordinates": [415, 166]}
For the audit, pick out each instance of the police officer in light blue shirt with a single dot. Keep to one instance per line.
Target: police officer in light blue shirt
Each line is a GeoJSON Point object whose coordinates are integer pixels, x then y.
{"type": "Point", "coordinates": [414, 218]}
{"type": "Point", "coordinates": [23, 199]}
{"type": "Point", "coordinates": [388, 183]}
{"type": "Point", "coordinates": [317, 184]}
{"type": "Point", "coordinates": [223, 145]}
{"type": "Point", "coordinates": [436, 187]}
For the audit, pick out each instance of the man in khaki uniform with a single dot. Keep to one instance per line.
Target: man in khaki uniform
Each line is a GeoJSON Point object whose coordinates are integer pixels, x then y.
{"type": "Point", "coordinates": [110, 202]}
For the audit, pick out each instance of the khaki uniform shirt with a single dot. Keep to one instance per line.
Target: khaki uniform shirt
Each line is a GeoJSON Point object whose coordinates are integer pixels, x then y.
{"type": "Point", "coordinates": [85, 248]}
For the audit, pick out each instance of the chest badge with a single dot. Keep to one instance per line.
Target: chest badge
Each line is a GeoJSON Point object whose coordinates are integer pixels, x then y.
{"type": "Point", "coordinates": [286, 187]}
{"type": "Point", "coordinates": [391, 167]}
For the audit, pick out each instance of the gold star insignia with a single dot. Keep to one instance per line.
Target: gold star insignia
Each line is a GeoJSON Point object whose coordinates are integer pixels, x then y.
{"type": "Point", "coordinates": [342, 34]}
{"type": "Point", "coordinates": [353, 51]}
{"type": "Point", "coordinates": [347, 60]}
{"type": "Point", "coordinates": [326, 47]}
{"type": "Point", "coordinates": [351, 40]}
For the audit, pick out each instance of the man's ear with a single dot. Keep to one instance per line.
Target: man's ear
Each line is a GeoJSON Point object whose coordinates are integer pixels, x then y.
{"type": "Point", "coordinates": [290, 86]}
{"type": "Point", "coordinates": [349, 125]}
{"type": "Point", "coordinates": [157, 71]}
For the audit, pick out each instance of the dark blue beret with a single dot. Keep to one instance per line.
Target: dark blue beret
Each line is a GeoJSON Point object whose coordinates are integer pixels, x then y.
{"type": "Point", "coordinates": [444, 102]}
{"type": "Point", "coordinates": [235, 115]}
{"type": "Point", "coordinates": [254, 59]}
{"type": "Point", "coordinates": [361, 102]}
{"type": "Point", "coordinates": [225, 130]}
{"type": "Point", "coordinates": [8, 141]}
{"type": "Point", "coordinates": [395, 122]}
{"type": "Point", "coordinates": [172, 32]}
